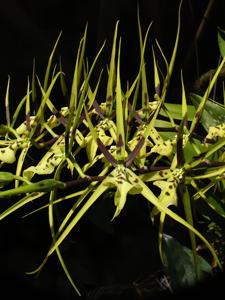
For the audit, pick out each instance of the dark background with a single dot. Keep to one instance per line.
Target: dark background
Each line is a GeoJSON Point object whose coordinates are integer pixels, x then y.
{"type": "Point", "coordinates": [29, 29]}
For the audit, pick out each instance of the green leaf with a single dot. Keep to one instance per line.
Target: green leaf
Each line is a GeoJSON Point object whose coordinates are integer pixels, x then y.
{"type": "Point", "coordinates": [28, 106]}
{"type": "Point", "coordinates": [20, 203]}
{"type": "Point", "coordinates": [175, 111]}
{"type": "Point", "coordinates": [77, 72]}
{"type": "Point", "coordinates": [189, 217]}
{"type": "Point", "coordinates": [156, 74]}
{"type": "Point", "coordinates": [221, 41]}
{"type": "Point", "coordinates": [47, 73]}
{"type": "Point", "coordinates": [52, 198]}
{"type": "Point", "coordinates": [145, 95]}
{"type": "Point", "coordinates": [72, 124]}
{"type": "Point", "coordinates": [172, 61]}
{"type": "Point", "coordinates": [184, 100]}
{"type": "Point", "coordinates": [166, 83]}
{"type": "Point", "coordinates": [211, 200]}
{"type": "Point", "coordinates": [213, 114]}
{"type": "Point", "coordinates": [45, 99]}
{"type": "Point", "coordinates": [7, 112]}
{"type": "Point", "coordinates": [119, 113]}
{"type": "Point", "coordinates": [181, 266]}
{"type": "Point", "coordinates": [141, 75]}
{"type": "Point", "coordinates": [111, 77]}
{"type": "Point", "coordinates": [33, 84]}
{"type": "Point", "coordinates": [17, 111]}
{"type": "Point", "coordinates": [95, 195]}
{"type": "Point", "coordinates": [211, 150]}
{"type": "Point", "coordinates": [92, 95]}
{"type": "Point", "coordinates": [201, 106]}
{"type": "Point", "coordinates": [215, 205]}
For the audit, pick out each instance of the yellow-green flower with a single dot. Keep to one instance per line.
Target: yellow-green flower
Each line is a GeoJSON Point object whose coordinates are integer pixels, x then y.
{"type": "Point", "coordinates": [164, 148]}
{"type": "Point", "coordinates": [8, 154]}
{"type": "Point", "coordinates": [124, 182]}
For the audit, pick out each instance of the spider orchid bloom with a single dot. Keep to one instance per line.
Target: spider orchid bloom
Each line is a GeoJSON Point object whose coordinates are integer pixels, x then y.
{"type": "Point", "coordinates": [164, 148]}
{"type": "Point", "coordinates": [49, 161]}
{"type": "Point", "coordinates": [134, 142]}
{"type": "Point", "coordinates": [125, 183]}
{"type": "Point", "coordinates": [101, 129]}
{"type": "Point", "coordinates": [90, 142]}
{"type": "Point", "coordinates": [168, 194]}
{"type": "Point", "coordinates": [22, 130]}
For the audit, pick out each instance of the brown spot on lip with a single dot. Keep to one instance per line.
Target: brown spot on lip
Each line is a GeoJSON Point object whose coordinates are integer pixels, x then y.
{"type": "Point", "coordinates": [161, 173]}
